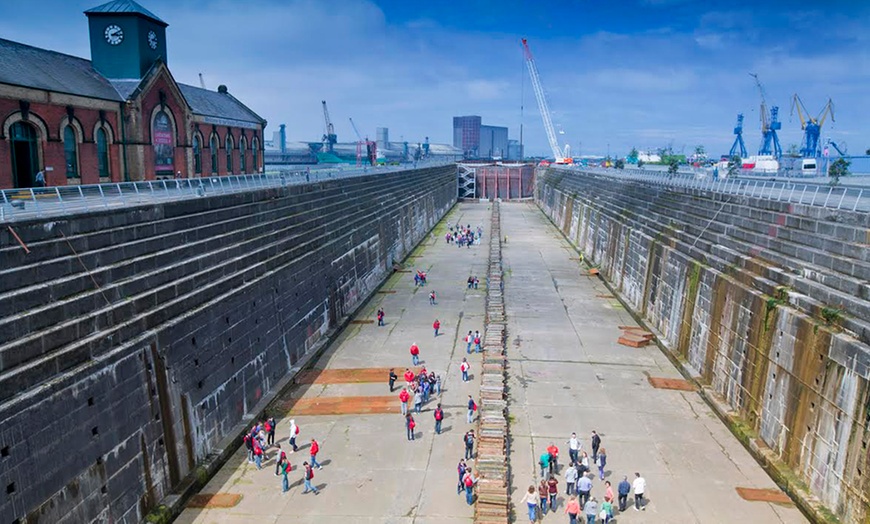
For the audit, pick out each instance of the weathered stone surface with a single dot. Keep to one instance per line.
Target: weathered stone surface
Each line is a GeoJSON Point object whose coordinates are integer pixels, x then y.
{"type": "Point", "coordinates": [762, 301]}
{"type": "Point", "coordinates": [132, 349]}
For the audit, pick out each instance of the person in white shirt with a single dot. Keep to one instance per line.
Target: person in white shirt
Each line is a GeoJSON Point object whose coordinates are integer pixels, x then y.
{"type": "Point", "coordinates": [574, 448]}
{"type": "Point", "coordinates": [531, 500]}
{"type": "Point", "coordinates": [639, 486]}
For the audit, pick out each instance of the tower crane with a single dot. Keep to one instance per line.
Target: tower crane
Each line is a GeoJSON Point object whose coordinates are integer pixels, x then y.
{"type": "Point", "coordinates": [769, 125]}
{"type": "Point", "coordinates": [812, 127]}
{"type": "Point", "coordinates": [329, 138]}
{"type": "Point", "coordinates": [738, 147]}
{"type": "Point", "coordinates": [560, 156]}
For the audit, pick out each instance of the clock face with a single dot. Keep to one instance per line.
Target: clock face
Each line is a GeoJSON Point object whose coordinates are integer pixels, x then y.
{"type": "Point", "coordinates": [114, 35]}
{"type": "Point", "coordinates": [152, 39]}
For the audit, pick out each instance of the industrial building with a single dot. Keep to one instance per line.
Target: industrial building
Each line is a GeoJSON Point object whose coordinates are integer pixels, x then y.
{"type": "Point", "coordinates": [478, 141]}
{"type": "Point", "coordinates": [119, 116]}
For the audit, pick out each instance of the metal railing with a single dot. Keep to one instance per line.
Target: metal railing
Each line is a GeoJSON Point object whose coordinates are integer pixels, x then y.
{"type": "Point", "coordinates": [828, 196]}
{"type": "Point", "coordinates": [30, 203]}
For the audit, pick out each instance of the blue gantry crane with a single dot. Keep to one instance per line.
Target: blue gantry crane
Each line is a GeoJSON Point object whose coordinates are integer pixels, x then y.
{"type": "Point", "coordinates": [811, 146]}
{"type": "Point", "coordinates": [738, 147]}
{"type": "Point", "coordinates": [770, 124]}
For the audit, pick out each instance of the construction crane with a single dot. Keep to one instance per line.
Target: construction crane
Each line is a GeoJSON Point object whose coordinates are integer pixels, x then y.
{"type": "Point", "coordinates": [812, 127]}
{"type": "Point", "coordinates": [329, 138]}
{"type": "Point", "coordinates": [839, 147]}
{"type": "Point", "coordinates": [560, 156]}
{"type": "Point", "coordinates": [770, 124]}
{"type": "Point", "coordinates": [371, 147]}
{"type": "Point", "coordinates": [738, 147]}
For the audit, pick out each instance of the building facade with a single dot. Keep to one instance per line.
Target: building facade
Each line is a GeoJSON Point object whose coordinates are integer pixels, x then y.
{"type": "Point", "coordinates": [493, 142]}
{"type": "Point", "coordinates": [466, 135]}
{"type": "Point", "coordinates": [120, 116]}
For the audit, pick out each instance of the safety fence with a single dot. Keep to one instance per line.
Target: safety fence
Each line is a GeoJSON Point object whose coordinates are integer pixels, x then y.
{"type": "Point", "coordinates": [31, 203]}
{"type": "Point", "coordinates": [824, 195]}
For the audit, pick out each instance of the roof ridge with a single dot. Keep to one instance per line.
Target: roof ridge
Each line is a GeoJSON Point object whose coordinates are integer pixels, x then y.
{"type": "Point", "coordinates": [44, 50]}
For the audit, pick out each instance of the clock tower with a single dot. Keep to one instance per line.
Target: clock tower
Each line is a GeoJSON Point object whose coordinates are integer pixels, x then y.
{"type": "Point", "coordinates": [126, 39]}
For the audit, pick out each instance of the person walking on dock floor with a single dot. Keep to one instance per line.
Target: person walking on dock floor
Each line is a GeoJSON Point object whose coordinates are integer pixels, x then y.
{"type": "Point", "coordinates": [270, 431]}
{"type": "Point", "coordinates": [572, 509]}
{"type": "Point", "coordinates": [469, 444]}
{"type": "Point", "coordinates": [409, 377]}
{"type": "Point", "coordinates": [308, 476]}
{"type": "Point", "coordinates": [477, 341]}
{"type": "Point", "coordinates": [432, 298]}
{"type": "Point", "coordinates": [468, 340]}
{"type": "Point", "coordinates": [531, 500]}
{"type": "Point", "coordinates": [543, 496]}
{"type": "Point", "coordinates": [470, 480]}
{"type": "Point", "coordinates": [553, 490]}
{"type": "Point", "coordinates": [285, 470]}
{"type": "Point", "coordinates": [544, 462]}
{"type": "Point", "coordinates": [439, 416]}
{"type": "Point", "coordinates": [460, 468]}
{"type": "Point", "coordinates": [596, 443]}
{"type": "Point", "coordinates": [404, 396]}
{"type": "Point", "coordinates": [380, 317]}
{"type": "Point", "coordinates": [639, 486]}
{"type": "Point", "coordinates": [418, 400]}
{"type": "Point", "coordinates": [602, 461]}
{"type": "Point", "coordinates": [570, 479]}
{"type": "Point", "coordinates": [463, 367]}
{"type": "Point", "coordinates": [584, 489]}
{"type": "Point", "coordinates": [472, 407]}
{"type": "Point", "coordinates": [393, 378]}
{"type": "Point", "coordinates": [436, 326]}
{"type": "Point", "coordinates": [294, 432]}
{"type": "Point", "coordinates": [280, 460]}
{"type": "Point", "coordinates": [591, 510]}
{"type": "Point", "coordinates": [410, 424]}
{"type": "Point", "coordinates": [623, 489]}
{"type": "Point", "coordinates": [574, 448]}
{"type": "Point", "coordinates": [315, 447]}
{"type": "Point", "coordinates": [554, 458]}
{"type": "Point", "coordinates": [415, 354]}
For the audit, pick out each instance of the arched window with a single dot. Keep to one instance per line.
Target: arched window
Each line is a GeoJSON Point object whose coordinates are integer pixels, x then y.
{"type": "Point", "coordinates": [70, 152]}
{"type": "Point", "coordinates": [228, 145]}
{"type": "Point", "coordinates": [243, 151]}
{"type": "Point", "coordinates": [102, 153]}
{"type": "Point", "coordinates": [197, 155]}
{"type": "Point", "coordinates": [255, 149]}
{"type": "Point", "coordinates": [213, 146]}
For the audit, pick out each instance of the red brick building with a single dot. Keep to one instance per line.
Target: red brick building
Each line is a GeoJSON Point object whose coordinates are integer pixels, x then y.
{"type": "Point", "coordinates": [119, 116]}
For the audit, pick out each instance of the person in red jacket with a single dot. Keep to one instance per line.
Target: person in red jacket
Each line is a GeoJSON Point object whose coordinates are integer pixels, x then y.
{"type": "Point", "coordinates": [409, 377]}
{"type": "Point", "coordinates": [315, 447]}
{"type": "Point", "coordinates": [436, 326]}
{"type": "Point", "coordinates": [410, 424]}
{"type": "Point", "coordinates": [415, 354]}
{"type": "Point", "coordinates": [439, 416]}
{"type": "Point", "coordinates": [404, 396]}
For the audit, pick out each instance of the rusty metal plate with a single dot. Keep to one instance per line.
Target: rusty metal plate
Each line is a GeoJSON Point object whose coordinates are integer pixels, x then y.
{"type": "Point", "coordinates": [214, 500]}
{"type": "Point", "coordinates": [764, 495]}
{"type": "Point", "coordinates": [671, 383]}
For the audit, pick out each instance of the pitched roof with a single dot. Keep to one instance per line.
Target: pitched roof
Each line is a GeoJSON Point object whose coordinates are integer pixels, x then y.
{"type": "Point", "coordinates": [216, 104]}
{"type": "Point", "coordinates": [28, 66]}
{"type": "Point", "coordinates": [124, 7]}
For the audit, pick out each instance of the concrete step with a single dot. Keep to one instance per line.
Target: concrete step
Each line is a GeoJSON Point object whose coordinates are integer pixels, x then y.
{"type": "Point", "coordinates": [67, 346]}
{"type": "Point", "coordinates": [131, 277]}
{"type": "Point", "coordinates": [651, 223]}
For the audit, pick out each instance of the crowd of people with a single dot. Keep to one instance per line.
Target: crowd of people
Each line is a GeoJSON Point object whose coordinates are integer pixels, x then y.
{"type": "Point", "coordinates": [578, 485]}
{"type": "Point", "coordinates": [261, 439]}
{"type": "Point", "coordinates": [463, 236]}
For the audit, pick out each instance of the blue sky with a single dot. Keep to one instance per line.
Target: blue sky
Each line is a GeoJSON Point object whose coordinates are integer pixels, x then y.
{"type": "Point", "coordinates": [643, 73]}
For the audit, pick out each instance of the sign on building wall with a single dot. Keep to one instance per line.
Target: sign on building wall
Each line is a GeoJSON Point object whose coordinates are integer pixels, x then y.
{"type": "Point", "coordinates": [162, 142]}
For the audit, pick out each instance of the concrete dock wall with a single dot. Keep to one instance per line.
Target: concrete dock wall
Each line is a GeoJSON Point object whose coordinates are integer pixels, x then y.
{"type": "Point", "coordinates": [134, 342]}
{"type": "Point", "coordinates": [764, 303]}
